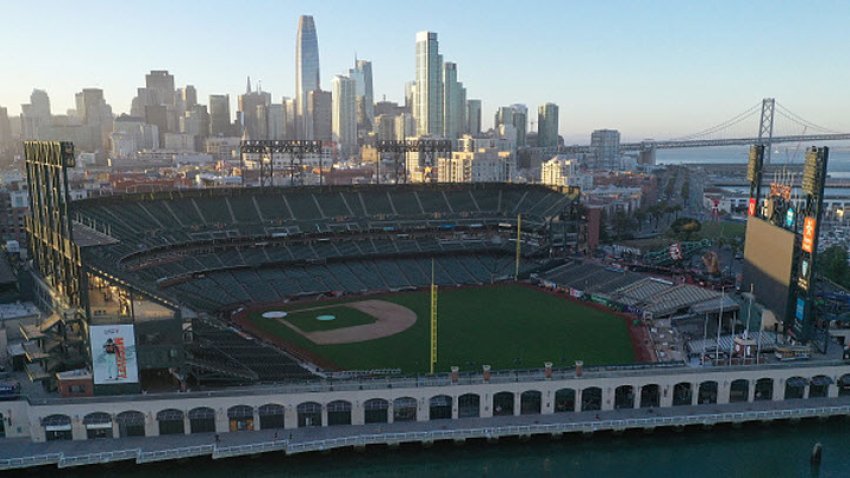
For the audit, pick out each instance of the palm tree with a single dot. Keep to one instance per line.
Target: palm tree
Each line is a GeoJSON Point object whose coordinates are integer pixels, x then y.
{"type": "Point", "coordinates": [656, 211]}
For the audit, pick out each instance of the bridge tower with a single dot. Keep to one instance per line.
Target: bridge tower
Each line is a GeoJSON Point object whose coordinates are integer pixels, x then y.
{"type": "Point", "coordinates": [766, 127]}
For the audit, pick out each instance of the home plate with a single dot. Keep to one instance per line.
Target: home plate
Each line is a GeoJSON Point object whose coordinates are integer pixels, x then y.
{"type": "Point", "coordinates": [274, 314]}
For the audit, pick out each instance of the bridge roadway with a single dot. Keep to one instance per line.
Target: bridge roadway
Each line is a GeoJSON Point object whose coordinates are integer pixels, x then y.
{"type": "Point", "coordinates": [702, 143]}
{"type": "Point", "coordinates": [23, 453]}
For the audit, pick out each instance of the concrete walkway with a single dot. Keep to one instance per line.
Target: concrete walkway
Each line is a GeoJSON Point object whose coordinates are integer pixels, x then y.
{"type": "Point", "coordinates": [20, 453]}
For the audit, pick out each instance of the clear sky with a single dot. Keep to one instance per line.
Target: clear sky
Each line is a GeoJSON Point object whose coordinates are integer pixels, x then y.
{"type": "Point", "coordinates": [653, 68]}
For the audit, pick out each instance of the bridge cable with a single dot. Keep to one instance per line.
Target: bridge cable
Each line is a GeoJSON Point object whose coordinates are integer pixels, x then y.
{"type": "Point", "coordinates": [802, 121]}
{"type": "Point", "coordinates": [724, 125]}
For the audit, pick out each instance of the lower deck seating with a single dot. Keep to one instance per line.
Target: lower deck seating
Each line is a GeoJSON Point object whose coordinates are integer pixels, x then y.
{"type": "Point", "coordinates": [233, 351]}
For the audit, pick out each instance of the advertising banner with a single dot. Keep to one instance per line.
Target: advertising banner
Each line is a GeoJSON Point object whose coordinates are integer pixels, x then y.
{"type": "Point", "coordinates": [808, 234]}
{"type": "Point", "coordinates": [113, 351]}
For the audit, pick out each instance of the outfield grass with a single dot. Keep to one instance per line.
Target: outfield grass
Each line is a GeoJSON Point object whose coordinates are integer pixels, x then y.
{"type": "Point", "coordinates": [506, 326]}
{"type": "Point", "coordinates": [345, 317]}
{"type": "Point", "coordinates": [725, 229]}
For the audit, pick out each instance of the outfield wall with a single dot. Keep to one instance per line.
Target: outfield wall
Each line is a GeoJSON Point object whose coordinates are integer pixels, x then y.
{"type": "Point", "coordinates": [344, 403]}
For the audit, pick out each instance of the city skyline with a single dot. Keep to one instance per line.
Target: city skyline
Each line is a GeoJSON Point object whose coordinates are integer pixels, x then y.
{"type": "Point", "coordinates": [608, 71]}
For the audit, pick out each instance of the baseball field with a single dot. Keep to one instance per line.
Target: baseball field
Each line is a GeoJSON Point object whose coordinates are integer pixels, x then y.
{"type": "Point", "coordinates": [506, 326]}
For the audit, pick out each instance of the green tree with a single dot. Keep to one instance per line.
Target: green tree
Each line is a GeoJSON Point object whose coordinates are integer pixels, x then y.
{"type": "Point", "coordinates": [685, 227]}
{"type": "Point", "coordinates": [622, 223]}
{"type": "Point", "coordinates": [656, 211]}
{"type": "Point", "coordinates": [832, 263]}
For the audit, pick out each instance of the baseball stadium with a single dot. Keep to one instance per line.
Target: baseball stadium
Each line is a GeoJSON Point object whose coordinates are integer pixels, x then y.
{"type": "Point", "coordinates": [281, 284]}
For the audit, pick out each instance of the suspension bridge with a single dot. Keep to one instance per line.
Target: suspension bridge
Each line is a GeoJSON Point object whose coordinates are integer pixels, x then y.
{"type": "Point", "coordinates": [795, 129]}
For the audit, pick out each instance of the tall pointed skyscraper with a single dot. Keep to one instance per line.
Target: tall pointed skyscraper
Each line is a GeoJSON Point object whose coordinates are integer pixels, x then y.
{"type": "Point", "coordinates": [306, 70]}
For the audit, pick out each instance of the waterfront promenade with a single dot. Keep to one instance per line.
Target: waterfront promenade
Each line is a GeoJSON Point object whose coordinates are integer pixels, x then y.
{"type": "Point", "coordinates": [23, 453]}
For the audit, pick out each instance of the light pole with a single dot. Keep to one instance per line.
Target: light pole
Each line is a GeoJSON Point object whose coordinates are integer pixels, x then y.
{"type": "Point", "coordinates": [704, 338]}
{"type": "Point", "coordinates": [719, 324]}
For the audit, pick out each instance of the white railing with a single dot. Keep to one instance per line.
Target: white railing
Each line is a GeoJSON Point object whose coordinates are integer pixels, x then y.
{"type": "Point", "coordinates": [249, 449]}
{"type": "Point", "coordinates": [575, 427]}
{"type": "Point", "coordinates": [103, 457]}
{"type": "Point", "coordinates": [175, 453]}
{"type": "Point", "coordinates": [29, 461]}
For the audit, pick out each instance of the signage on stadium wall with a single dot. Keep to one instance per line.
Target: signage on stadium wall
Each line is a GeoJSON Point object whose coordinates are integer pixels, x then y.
{"type": "Point", "coordinates": [800, 310]}
{"type": "Point", "coordinates": [631, 309]}
{"type": "Point", "coordinates": [808, 234]}
{"type": "Point", "coordinates": [598, 299]}
{"type": "Point", "coordinates": [805, 272]}
{"type": "Point", "coordinates": [113, 351]}
{"type": "Point", "coordinates": [576, 293]}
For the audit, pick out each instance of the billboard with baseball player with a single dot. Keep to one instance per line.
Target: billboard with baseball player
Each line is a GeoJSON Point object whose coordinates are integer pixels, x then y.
{"type": "Point", "coordinates": [113, 354]}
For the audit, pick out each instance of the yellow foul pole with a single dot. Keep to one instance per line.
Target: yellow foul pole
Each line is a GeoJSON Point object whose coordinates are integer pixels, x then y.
{"type": "Point", "coordinates": [433, 320]}
{"type": "Point", "coordinates": [518, 244]}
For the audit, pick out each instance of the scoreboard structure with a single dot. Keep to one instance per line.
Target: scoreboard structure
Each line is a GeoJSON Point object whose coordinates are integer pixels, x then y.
{"type": "Point", "coordinates": [811, 211]}
{"type": "Point", "coordinates": [782, 241]}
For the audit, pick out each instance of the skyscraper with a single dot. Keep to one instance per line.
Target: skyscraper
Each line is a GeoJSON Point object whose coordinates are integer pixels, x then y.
{"type": "Point", "coordinates": [219, 115]}
{"type": "Point", "coordinates": [254, 118]}
{"type": "Point", "coordinates": [409, 96]}
{"type": "Point", "coordinates": [520, 122]}
{"type": "Point", "coordinates": [276, 120]}
{"type": "Point", "coordinates": [91, 106]}
{"type": "Point", "coordinates": [35, 114]}
{"type": "Point", "coordinates": [428, 97]}
{"type": "Point", "coordinates": [196, 122]}
{"type": "Point", "coordinates": [362, 75]}
{"type": "Point", "coordinates": [162, 83]}
{"type": "Point", "coordinates": [319, 111]}
{"type": "Point", "coordinates": [454, 102]}
{"type": "Point", "coordinates": [95, 113]}
{"type": "Point", "coordinates": [516, 117]}
{"type": "Point", "coordinates": [144, 97]}
{"type": "Point", "coordinates": [190, 97]}
{"type": "Point", "coordinates": [385, 127]}
{"type": "Point", "coordinates": [306, 70]}
{"type": "Point", "coordinates": [504, 116]}
{"type": "Point", "coordinates": [605, 145]}
{"type": "Point", "coordinates": [344, 117]}
{"type": "Point", "coordinates": [473, 117]}
{"type": "Point", "coordinates": [291, 117]}
{"type": "Point", "coordinates": [547, 125]}
{"type": "Point", "coordinates": [5, 128]}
